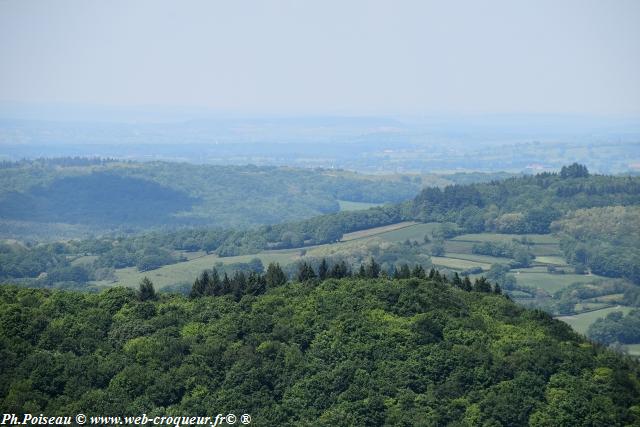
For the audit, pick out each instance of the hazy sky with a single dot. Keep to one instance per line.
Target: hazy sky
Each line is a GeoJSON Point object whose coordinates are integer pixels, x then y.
{"type": "Point", "coordinates": [352, 57]}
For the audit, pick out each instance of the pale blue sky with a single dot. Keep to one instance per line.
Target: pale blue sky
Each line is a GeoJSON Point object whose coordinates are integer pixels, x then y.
{"type": "Point", "coordinates": [351, 57]}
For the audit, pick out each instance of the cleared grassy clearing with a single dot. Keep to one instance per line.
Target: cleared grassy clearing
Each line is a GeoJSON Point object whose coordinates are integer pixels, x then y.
{"type": "Point", "coordinates": [588, 306]}
{"type": "Point", "coordinates": [581, 322]}
{"type": "Point", "coordinates": [537, 239]}
{"type": "Point", "coordinates": [485, 259]}
{"type": "Point", "coordinates": [186, 272]}
{"type": "Point", "coordinates": [546, 250]}
{"type": "Point", "coordinates": [415, 232]}
{"type": "Point", "coordinates": [540, 269]}
{"type": "Point", "coordinates": [458, 264]}
{"type": "Point", "coordinates": [611, 298]}
{"type": "Point", "coordinates": [544, 245]}
{"type": "Point", "coordinates": [458, 247]}
{"type": "Point", "coordinates": [369, 232]}
{"type": "Point", "coordinates": [356, 206]}
{"type": "Point", "coordinates": [551, 282]}
{"type": "Point", "coordinates": [87, 259]}
{"type": "Point", "coordinates": [457, 257]}
{"type": "Point", "coordinates": [553, 260]}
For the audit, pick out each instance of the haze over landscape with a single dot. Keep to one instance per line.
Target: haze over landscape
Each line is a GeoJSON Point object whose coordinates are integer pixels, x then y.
{"type": "Point", "coordinates": [320, 213]}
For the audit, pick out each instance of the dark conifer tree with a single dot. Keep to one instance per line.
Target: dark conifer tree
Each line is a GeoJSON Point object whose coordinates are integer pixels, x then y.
{"type": "Point", "coordinates": [146, 290]}
{"type": "Point", "coordinates": [418, 272]}
{"type": "Point", "coordinates": [197, 290]}
{"type": "Point", "coordinates": [339, 270]}
{"type": "Point", "coordinates": [238, 285]}
{"type": "Point", "coordinates": [437, 277]}
{"type": "Point", "coordinates": [466, 284]}
{"type": "Point", "coordinates": [457, 282]}
{"type": "Point", "coordinates": [405, 272]}
{"type": "Point", "coordinates": [256, 284]}
{"type": "Point", "coordinates": [275, 276]}
{"type": "Point", "coordinates": [373, 269]}
{"type": "Point", "coordinates": [323, 270]}
{"type": "Point", "coordinates": [215, 284]}
{"type": "Point", "coordinates": [482, 285]}
{"type": "Point", "coordinates": [205, 281]}
{"type": "Point", "coordinates": [226, 285]}
{"type": "Point", "coordinates": [305, 272]}
{"type": "Point", "coordinates": [362, 273]}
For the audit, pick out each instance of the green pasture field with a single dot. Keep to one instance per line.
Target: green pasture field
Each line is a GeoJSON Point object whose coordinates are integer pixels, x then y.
{"type": "Point", "coordinates": [459, 247]}
{"type": "Point", "coordinates": [414, 232]}
{"type": "Point", "coordinates": [186, 272]}
{"type": "Point", "coordinates": [87, 259]}
{"type": "Point", "coordinates": [458, 264]}
{"type": "Point", "coordinates": [544, 245]}
{"type": "Point", "coordinates": [536, 269]}
{"type": "Point", "coordinates": [485, 259]}
{"type": "Point", "coordinates": [610, 299]}
{"type": "Point", "coordinates": [588, 306]}
{"type": "Point", "coordinates": [385, 229]}
{"type": "Point", "coordinates": [457, 257]}
{"type": "Point", "coordinates": [356, 206]}
{"type": "Point", "coordinates": [551, 282]}
{"type": "Point", "coordinates": [537, 239]}
{"type": "Point", "coordinates": [581, 322]}
{"type": "Point", "coordinates": [395, 232]}
{"type": "Point", "coordinates": [546, 250]}
{"type": "Point", "coordinates": [553, 260]}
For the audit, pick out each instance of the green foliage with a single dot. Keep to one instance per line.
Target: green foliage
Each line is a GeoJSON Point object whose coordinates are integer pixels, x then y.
{"type": "Point", "coordinates": [574, 170]}
{"type": "Point", "coordinates": [437, 249]}
{"type": "Point", "coordinates": [305, 272]}
{"type": "Point", "coordinates": [100, 199]}
{"type": "Point", "coordinates": [128, 196]}
{"type": "Point", "coordinates": [526, 204]}
{"type": "Point", "coordinates": [146, 290]}
{"type": "Point", "coordinates": [274, 276]}
{"type": "Point", "coordinates": [616, 327]}
{"type": "Point", "coordinates": [605, 240]}
{"type": "Point", "coordinates": [350, 351]}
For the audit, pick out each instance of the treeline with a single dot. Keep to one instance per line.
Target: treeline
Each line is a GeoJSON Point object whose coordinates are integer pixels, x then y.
{"type": "Point", "coordinates": [345, 351]}
{"type": "Point", "coordinates": [616, 328]}
{"type": "Point", "coordinates": [99, 199]}
{"type": "Point", "coordinates": [53, 263]}
{"type": "Point", "coordinates": [603, 240]}
{"type": "Point", "coordinates": [570, 300]}
{"type": "Point", "coordinates": [526, 204]}
{"type": "Point", "coordinates": [212, 283]}
{"type": "Point", "coordinates": [521, 254]}
{"type": "Point", "coordinates": [133, 197]}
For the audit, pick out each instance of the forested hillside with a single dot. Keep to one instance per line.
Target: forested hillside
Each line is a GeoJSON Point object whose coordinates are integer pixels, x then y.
{"type": "Point", "coordinates": [528, 204]}
{"type": "Point", "coordinates": [125, 196]}
{"type": "Point", "coordinates": [338, 352]}
{"type": "Point", "coordinates": [603, 240]}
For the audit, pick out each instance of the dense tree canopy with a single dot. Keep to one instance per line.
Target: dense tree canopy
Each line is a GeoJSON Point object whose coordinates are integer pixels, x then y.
{"type": "Point", "coordinates": [339, 352]}
{"type": "Point", "coordinates": [606, 240]}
